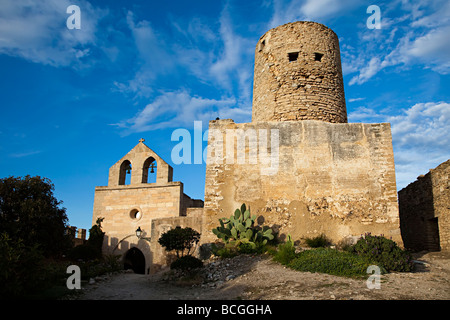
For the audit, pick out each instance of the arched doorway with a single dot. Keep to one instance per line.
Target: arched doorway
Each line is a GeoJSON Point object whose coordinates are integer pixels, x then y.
{"type": "Point", "coordinates": [135, 260]}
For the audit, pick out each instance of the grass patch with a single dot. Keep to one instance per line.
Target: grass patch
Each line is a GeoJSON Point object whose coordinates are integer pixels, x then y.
{"type": "Point", "coordinates": [285, 253]}
{"type": "Point", "coordinates": [330, 261]}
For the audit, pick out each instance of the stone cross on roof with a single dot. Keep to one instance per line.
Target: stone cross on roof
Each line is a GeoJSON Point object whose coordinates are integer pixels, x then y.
{"type": "Point", "coordinates": [141, 140]}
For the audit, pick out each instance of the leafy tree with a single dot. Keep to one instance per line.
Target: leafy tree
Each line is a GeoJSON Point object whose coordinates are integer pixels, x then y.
{"type": "Point", "coordinates": [29, 212]}
{"type": "Point", "coordinates": [96, 236]}
{"type": "Point", "coordinates": [20, 267]}
{"type": "Point", "coordinates": [180, 240]}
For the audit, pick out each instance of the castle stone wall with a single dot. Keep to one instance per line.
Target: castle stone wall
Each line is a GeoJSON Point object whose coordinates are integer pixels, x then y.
{"type": "Point", "coordinates": [336, 179]}
{"type": "Point", "coordinates": [425, 210]}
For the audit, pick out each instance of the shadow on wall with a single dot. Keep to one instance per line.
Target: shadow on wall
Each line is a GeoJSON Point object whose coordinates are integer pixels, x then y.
{"type": "Point", "coordinates": [135, 256]}
{"type": "Point", "coordinates": [418, 224]}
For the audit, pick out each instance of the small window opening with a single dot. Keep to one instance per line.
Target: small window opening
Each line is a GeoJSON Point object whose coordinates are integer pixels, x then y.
{"type": "Point", "coordinates": [318, 56]}
{"type": "Point", "coordinates": [293, 56]}
{"type": "Point", "coordinates": [135, 214]}
{"type": "Point", "coordinates": [262, 44]}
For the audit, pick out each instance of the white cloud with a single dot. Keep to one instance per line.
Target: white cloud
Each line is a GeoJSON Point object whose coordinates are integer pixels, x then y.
{"type": "Point", "coordinates": [285, 11]}
{"type": "Point", "coordinates": [154, 58]}
{"type": "Point", "coordinates": [424, 125]}
{"type": "Point", "coordinates": [178, 109]}
{"type": "Point", "coordinates": [418, 37]}
{"type": "Point", "coordinates": [355, 99]}
{"type": "Point", "coordinates": [24, 154]}
{"type": "Point", "coordinates": [420, 137]}
{"type": "Point", "coordinates": [218, 58]}
{"type": "Point", "coordinates": [367, 72]}
{"type": "Point", "coordinates": [433, 48]}
{"type": "Point", "coordinates": [37, 31]}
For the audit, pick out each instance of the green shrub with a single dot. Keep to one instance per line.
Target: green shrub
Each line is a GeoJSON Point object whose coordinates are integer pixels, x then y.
{"type": "Point", "coordinates": [226, 252]}
{"type": "Point", "coordinates": [21, 267]}
{"type": "Point", "coordinates": [285, 252]}
{"type": "Point", "coordinates": [320, 241]}
{"type": "Point", "coordinates": [383, 252]}
{"type": "Point", "coordinates": [180, 239]}
{"type": "Point", "coordinates": [83, 252]}
{"type": "Point", "coordinates": [330, 261]}
{"type": "Point", "coordinates": [186, 263]}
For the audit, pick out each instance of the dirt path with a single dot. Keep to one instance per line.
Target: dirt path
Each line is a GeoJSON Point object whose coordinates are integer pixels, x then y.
{"type": "Point", "coordinates": [249, 278]}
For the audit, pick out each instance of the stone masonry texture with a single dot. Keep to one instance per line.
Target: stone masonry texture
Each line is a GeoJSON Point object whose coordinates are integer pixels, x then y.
{"type": "Point", "coordinates": [335, 179]}
{"type": "Point", "coordinates": [329, 176]}
{"type": "Point", "coordinates": [298, 75]}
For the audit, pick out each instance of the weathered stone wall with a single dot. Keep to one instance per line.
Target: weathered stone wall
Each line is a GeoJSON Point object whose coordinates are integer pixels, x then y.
{"type": "Point", "coordinates": [424, 207]}
{"type": "Point", "coordinates": [310, 87]}
{"type": "Point", "coordinates": [118, 205]}
{"type": "Point", "coordinates": [336, 179]}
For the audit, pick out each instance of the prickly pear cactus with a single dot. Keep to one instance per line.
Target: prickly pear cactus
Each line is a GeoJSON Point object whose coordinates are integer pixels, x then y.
{"type": "Point", "coordinates": [239, 229]}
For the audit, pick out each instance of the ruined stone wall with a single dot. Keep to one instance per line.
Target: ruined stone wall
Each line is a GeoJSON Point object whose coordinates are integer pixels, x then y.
{"type": "Point", "coordinates": [188, 204]}
{"type": "Point", "coordinates": [298, 75]}
{"type": "Point", "coordinates": [336, 179]}
{"type": "Point", "coordinates": [424, 210]}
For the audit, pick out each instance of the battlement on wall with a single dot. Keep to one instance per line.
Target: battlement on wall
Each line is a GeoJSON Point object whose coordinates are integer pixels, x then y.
{"type": "Point", "coordinates": [78, 235]}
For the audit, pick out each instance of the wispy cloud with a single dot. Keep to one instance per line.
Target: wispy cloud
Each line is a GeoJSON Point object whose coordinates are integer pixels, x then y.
{"type": "Point", "coordinates": [217, 58]}
{"type": "Point", "coordinates": [25, 154]}
{"type": "Point", "coordinates": [36, 31]}
{"type": "Point", "coordinates": [420, 137]}
{"type": "Point", "coordinates": [285, 11]}
{"type": "Point", "coordinates": [417, 37]}
{"type": "Point", "coordinates": [178, 109]}
{"type": "Point", "coordinates": [356, 99]}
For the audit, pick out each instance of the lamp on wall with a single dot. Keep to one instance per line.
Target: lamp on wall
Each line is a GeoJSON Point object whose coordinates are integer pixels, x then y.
{"type": "Point", "coordinates": [139, 233]}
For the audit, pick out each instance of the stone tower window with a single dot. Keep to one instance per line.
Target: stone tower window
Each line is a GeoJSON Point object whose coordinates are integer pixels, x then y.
{"type": "Point", "coordinates": [125, 173]}
{"type": "Point", "coordinates": [262, 44]}
{"type": "Point", "coordinates": [293, 56]}
{"type": "Point", "coordinates": [318, 56]}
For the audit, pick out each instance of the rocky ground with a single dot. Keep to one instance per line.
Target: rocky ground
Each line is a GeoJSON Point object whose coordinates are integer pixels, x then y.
{"type": "Point", "coordinates": [259, 278]}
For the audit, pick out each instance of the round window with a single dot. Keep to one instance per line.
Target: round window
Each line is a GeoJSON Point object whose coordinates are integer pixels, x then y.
{"type": "Point", "coordinates": [135, 214]}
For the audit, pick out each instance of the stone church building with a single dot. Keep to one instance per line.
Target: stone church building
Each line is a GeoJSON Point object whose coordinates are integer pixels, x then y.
{"type": "Point", "coordinates": [147, 200]}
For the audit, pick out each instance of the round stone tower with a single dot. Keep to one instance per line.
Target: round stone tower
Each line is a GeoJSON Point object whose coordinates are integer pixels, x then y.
{"type": "Point", "coordinates": [298, 75]}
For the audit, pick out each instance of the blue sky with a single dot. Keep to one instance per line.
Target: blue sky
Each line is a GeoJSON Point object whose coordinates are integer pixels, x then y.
{"type": "Point", "coordinates": [74, 101]}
